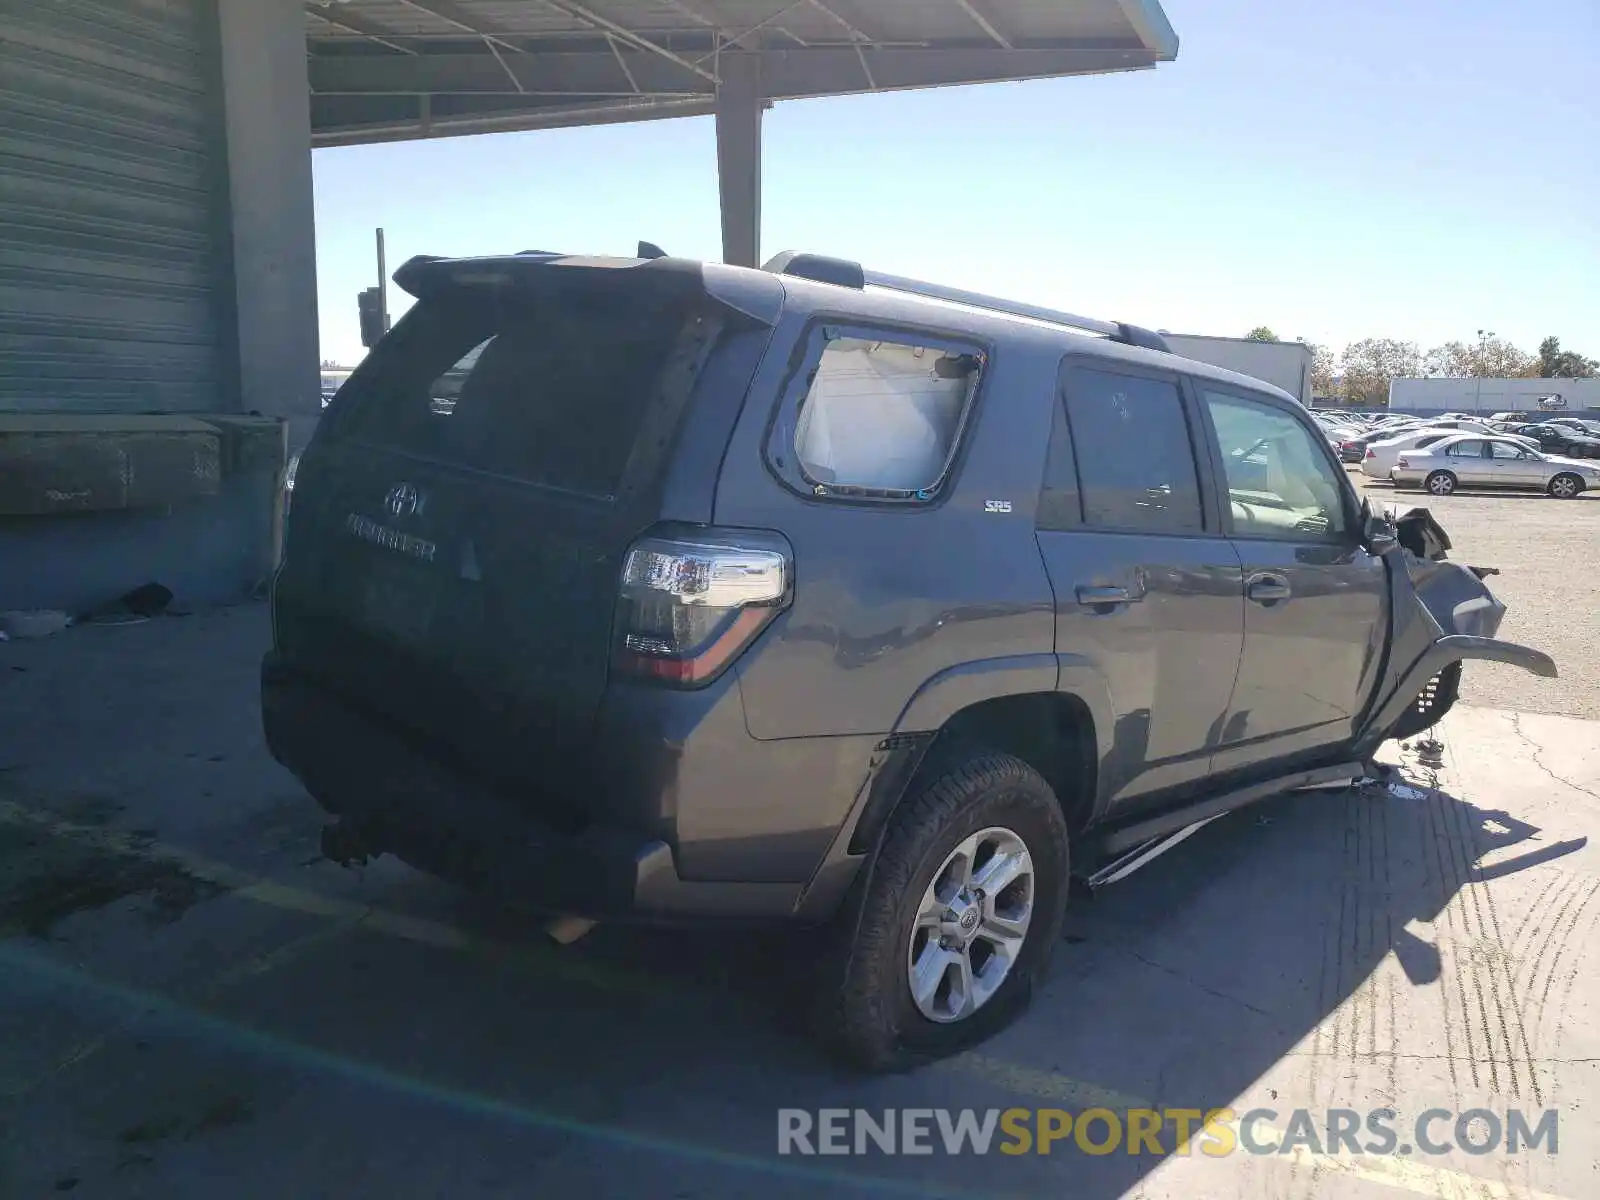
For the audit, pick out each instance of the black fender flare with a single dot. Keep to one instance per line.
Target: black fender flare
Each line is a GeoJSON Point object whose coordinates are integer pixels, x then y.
{"type": "Point", "coordinates": [948, 691]}
{"type": "Point", "coordinates": [960, 686]}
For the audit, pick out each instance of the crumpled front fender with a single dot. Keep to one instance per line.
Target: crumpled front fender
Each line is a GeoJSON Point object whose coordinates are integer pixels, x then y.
{"type": "Point", "coordinates": [1456, 646]}
{"type": "Point", "coordinates": [1443, 613]}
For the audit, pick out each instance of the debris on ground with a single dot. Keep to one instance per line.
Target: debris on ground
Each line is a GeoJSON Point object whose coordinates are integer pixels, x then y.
{"type": "Point", "coordinates": [132, 607]}
{"type": "Point", "coordinates": [33, 623]}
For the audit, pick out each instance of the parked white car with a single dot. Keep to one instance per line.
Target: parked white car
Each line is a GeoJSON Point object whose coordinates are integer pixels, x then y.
{"type": "Point", "coordinates": [1381, 455]}
{"type": "Point", "coordinates": [1468, 460]}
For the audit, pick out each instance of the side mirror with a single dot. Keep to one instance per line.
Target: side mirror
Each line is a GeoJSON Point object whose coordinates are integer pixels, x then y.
{"type": "Point", "coordinates": [1377, 530]}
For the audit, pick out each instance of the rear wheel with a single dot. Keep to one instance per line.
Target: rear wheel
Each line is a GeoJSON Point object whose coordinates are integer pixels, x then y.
{"type": "Point", "coordinates": [1565, 486]}
{"type": "Point", "coordinates": [955, 921]}
{"type": "Point", "coordinates": [1440, 483]}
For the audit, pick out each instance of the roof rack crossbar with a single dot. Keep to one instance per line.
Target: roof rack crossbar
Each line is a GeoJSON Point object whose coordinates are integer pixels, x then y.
{"type": "Point", "coordinates": [846, 273]}
{"type": "Point", "coordinates": [1015, 308]}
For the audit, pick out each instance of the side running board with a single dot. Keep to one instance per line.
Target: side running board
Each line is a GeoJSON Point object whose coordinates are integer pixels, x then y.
{"type": "Point", "coordinates": [1143, 854]}
{"type": "Point", "coordinates": [1133, 846]}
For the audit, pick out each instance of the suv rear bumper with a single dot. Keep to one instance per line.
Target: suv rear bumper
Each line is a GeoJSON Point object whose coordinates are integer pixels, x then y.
{"type": "Point", "coordinates": [393, 797]}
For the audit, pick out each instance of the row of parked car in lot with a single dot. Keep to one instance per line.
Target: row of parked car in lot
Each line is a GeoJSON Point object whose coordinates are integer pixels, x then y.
{"type": "Point", "coordinates": [1554, 454]}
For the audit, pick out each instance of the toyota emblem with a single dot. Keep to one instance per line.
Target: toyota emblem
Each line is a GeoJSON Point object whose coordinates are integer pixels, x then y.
{"type": "Point", "coordinates": [403, 500]}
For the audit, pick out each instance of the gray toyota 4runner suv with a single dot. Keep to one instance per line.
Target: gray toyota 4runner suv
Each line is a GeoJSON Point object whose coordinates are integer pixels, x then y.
{"type": "Point", "coordinates": [640, 588]}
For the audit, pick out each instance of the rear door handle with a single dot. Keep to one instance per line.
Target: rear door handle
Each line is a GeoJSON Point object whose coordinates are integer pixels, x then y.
{"type": "Point", "coordinates": [1267, 589]}
{"type": "Point", "coordinates": [1104, 597]}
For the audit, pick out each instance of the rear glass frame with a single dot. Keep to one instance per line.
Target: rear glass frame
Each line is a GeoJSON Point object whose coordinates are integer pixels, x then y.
{"type": "Point", "coordinates": [679, 327]}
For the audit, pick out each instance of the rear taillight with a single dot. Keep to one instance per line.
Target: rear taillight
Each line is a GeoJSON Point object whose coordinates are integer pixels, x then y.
{"type": "Point", "coordinates": [1402, 461]}
{"type": "Point", "coordinates": [689, 605]}
{"type": "Point", "coordinates": [1371, 453]}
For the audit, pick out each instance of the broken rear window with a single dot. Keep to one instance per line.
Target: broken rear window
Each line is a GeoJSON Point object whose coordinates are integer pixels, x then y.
{"type": "Point", "coordinates": [546, 388]}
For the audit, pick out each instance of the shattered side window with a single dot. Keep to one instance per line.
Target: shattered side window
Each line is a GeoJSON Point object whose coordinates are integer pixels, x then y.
{"type": "Point", "coordinates": [882, 416]}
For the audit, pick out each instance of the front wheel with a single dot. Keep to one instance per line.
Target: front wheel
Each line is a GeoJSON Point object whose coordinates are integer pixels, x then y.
{"type": "Point", "coordinates": [1565, 486]}
{"type": "Point", "coordinates": [956, 920]}
{"type": "Point", "coordinates": [1440, 483]}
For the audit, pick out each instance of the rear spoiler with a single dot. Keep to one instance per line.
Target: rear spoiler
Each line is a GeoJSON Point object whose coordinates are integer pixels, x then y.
{"type": "Point", "coordinates": [751, 294]}
{"type": "Point", "coordinates": [427, 274]}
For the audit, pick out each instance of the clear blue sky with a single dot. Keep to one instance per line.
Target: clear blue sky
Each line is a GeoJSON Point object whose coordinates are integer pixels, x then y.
{"type": "Point", "coordinates": [1411, 168]}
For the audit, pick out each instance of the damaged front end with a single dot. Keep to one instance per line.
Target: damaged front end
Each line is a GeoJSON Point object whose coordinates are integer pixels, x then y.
{"type": "Point", "coordinates": [1443, 614]}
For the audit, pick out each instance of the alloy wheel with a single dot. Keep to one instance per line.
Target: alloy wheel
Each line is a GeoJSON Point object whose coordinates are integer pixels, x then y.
{"type": "Point", "coordinates": [970, 927]}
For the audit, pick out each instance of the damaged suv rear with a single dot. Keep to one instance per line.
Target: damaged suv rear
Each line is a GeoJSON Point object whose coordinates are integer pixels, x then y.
{"type": "Point", "coordinates": [646, 589]}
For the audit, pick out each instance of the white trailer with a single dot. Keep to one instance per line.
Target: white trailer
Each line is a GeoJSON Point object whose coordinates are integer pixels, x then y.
{"type": "Point", "coordinates": [1283, 364]}
{"type": "Point", "coordinates": [1485, 396]}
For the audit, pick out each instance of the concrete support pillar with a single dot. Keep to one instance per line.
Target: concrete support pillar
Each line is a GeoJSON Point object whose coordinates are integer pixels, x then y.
{"type": "Point", "coordinates": [267, 107]}
{"type": "Point", "coordinates": [739, 108]}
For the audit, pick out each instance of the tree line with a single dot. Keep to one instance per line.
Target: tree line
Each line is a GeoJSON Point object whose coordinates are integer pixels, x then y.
{"type": "Point", "coordinates": [1360, 373]}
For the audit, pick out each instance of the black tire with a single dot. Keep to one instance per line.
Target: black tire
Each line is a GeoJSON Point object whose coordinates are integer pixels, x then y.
{"type": "Point", "coordinates": [1440, 483]}
{"type": "Point", "coordinates": [868, 1016]}
{"type": "Point", "coordinates": [1566, 486]}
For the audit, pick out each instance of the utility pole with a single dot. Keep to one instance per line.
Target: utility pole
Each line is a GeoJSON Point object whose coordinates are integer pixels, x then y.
{"type": "Point", "coordinates": [372, 304]}
{"type": "Point", "coordinates": [1477, 370]}
{"type": "Point", "coordinates": [383, 284]}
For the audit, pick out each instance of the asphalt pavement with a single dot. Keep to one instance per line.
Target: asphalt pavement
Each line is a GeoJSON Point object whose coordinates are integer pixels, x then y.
{"type": "Point", "coordinates": [193, 1006]}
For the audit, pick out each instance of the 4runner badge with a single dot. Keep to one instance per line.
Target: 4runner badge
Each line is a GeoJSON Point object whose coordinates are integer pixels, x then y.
{"type": "Point", "coordinates": [997, 506]}
{"type": "Point", "coordinates": [404, 500]}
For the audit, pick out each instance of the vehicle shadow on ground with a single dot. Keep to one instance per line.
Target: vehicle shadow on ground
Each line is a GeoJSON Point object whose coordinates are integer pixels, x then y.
{"type": "Point", "coordinates": [1179, 987]}
{"type": "Point", "coordinates": [418, 1042]}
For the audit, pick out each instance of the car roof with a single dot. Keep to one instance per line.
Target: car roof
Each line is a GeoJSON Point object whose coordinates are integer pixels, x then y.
{"type": "Point", "coordinates": [742, 284]}
{"type": "Point", "coordinates": [1472, 435]}
{"type": "Point", "coordinates": [1427, 431]}
{"type": "Point", "coordinates": [984, 325]}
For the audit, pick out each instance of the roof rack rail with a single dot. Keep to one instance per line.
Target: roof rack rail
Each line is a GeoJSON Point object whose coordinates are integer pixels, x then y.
{"type": "Point", "coordinates": [845, 273]}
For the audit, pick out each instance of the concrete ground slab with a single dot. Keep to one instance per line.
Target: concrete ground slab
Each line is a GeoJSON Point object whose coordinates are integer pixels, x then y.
{"type": "Point", "coordinates": [190, 1006]}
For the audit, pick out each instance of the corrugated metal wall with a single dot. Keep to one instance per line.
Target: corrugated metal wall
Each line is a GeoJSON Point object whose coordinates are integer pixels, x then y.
{"type": "Point", "coordinates": [112, 208]}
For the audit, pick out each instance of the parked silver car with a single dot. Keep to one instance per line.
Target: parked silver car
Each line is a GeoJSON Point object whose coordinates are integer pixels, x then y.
{"type": "Point", "coordinates": [1493, 462]}
{"type": "Point", "coordinates": [1381, 455]}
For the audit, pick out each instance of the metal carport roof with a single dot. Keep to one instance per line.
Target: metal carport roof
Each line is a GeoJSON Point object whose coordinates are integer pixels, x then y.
{"type": "Point", "coordinates": [384, 70]}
